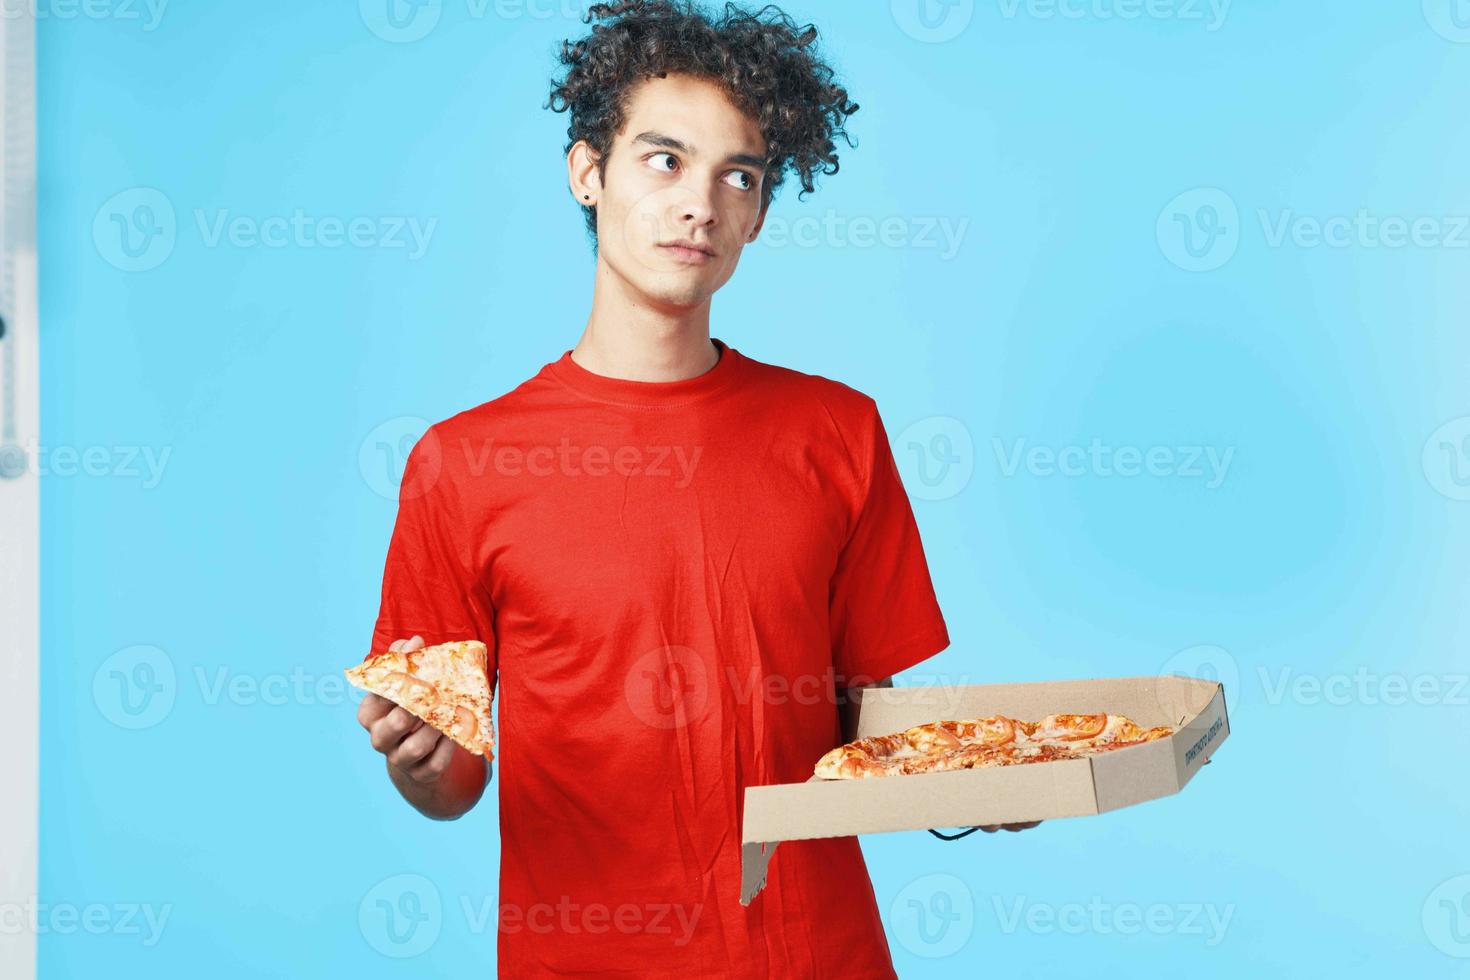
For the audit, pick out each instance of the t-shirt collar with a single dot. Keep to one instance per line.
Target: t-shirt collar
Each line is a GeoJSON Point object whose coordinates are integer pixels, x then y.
{"type": "Point", "coordinates": [666, 394]}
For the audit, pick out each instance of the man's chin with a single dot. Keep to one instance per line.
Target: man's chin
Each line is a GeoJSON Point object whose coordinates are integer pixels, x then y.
{"type": "Point", "coordinates": [677, 291]}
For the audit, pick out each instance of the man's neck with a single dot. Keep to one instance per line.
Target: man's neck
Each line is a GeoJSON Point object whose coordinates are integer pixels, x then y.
{"type": "Point", "coordinates": [628, 338]}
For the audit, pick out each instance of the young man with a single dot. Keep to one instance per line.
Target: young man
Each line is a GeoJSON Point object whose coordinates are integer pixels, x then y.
{"type": "Point", "coordinates": [679, 557]}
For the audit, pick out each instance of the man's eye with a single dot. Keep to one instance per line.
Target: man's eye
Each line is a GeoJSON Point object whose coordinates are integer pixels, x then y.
{"type": "Point", "coordinates": [664, 162]}
{"type": "Point", "coordinates": [740, 179]}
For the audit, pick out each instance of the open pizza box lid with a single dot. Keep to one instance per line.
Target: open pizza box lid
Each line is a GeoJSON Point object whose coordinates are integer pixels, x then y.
{"type": "Point", "coordinates": [1006, 794]}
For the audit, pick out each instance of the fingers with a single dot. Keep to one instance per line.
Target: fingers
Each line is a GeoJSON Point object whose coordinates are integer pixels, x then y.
{"type": "Point", "coordinates": [414, 748]}
{"type": "Point", "coordinates": [1012, 827]}
{"type": "Point", "coordinates": [413, 643]}
{"type": "Point", "coordinates": [390, 729]}
{"type": "Point", "coordinates": [437, 763]}
{"type": "Point", "coordinates": [371, 709]}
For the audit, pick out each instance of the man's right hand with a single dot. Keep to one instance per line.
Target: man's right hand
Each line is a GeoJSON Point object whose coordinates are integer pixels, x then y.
{"type": "Point", "coordinates": [412, 746]}
{"type": "Point", "coordinates": [435, 774]}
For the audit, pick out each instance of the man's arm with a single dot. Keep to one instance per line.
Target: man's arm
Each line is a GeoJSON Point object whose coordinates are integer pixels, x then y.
{"type": "Point", "coordinates": [847, 707]}
{"type": "Point", "coordinates": [438, 777]}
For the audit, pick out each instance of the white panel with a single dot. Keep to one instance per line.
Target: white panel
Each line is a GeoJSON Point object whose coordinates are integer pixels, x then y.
{"type": "Point", "coordinates": [19, 489]}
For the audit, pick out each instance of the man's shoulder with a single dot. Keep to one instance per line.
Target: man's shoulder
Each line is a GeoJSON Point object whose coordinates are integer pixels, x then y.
{"type": "Point", "coordinates": [499, 411]}
{"type": "Point", "coordinates": [844, 403]}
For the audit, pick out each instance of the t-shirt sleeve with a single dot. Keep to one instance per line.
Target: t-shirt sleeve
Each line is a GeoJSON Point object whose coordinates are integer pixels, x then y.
{"type": "Point", "coordinates": [431, 587]}
{"type": "Point", "coordinates": [884, 614]}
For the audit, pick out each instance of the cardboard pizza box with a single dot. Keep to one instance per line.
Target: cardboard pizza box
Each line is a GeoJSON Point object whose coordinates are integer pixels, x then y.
{"type": "Point", "coordinates": [1007, 794]}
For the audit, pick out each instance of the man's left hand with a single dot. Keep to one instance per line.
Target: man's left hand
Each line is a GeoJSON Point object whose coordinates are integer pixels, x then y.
{"type": "Point", "coordinates": [1012, 827]}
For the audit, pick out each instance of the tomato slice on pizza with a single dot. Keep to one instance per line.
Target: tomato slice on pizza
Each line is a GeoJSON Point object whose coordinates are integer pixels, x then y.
{"type": "Point", "coordinates": [448, 686]}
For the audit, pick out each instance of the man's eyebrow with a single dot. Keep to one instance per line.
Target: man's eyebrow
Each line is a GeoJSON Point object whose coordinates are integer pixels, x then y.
{"type": "Point", "coordinates": [653, 138]}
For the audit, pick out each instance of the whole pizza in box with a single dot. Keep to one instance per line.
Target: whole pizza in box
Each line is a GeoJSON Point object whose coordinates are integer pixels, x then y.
{"type": "Point", "coordinates": [993, 741]}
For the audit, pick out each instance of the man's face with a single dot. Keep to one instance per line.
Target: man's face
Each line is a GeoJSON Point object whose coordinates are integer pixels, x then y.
{"type": "Point", "coordinates": [681, 195]}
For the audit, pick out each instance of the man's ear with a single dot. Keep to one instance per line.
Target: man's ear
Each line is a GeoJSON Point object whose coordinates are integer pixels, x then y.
{"type": "Point", "coordinates": [583, 176]}
{"type": "Point", "coordinates": [759, 222]}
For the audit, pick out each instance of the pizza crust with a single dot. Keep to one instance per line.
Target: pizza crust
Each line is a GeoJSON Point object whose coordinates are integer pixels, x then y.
{"type": "Point", "coordinates": [447, 686]}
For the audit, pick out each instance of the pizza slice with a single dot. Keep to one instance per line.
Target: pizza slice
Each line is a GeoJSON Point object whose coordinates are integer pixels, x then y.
{"type": "Point", "coordinates": [447, 686]}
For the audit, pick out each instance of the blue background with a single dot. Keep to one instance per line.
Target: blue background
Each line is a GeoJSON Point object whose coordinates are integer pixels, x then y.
{"type": "Point", "coordinates": [284, 383]}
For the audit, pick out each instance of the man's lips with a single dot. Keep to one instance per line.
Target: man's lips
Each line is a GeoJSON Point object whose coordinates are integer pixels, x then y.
{"type": "Point", "coordinates": [687, 251]}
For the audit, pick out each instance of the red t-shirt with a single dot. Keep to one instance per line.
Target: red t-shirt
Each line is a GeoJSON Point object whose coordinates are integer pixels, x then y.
{"type": "Point", "coordinates": [672, 578]}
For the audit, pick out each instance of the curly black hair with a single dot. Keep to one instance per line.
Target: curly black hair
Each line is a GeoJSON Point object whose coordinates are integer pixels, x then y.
{"type": "Point", "coordinates": [766, 63]}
